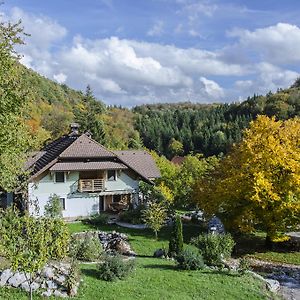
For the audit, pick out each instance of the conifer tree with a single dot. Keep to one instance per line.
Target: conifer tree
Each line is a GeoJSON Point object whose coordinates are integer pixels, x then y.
{"type": "Point", "coordinates": [176, 239]}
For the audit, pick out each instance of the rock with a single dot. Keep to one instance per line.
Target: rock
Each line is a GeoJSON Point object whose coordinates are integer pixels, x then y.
{"type": "Point", "coordinates": [159, 253]}
{"type": "Point", "coordinates": [5, 275]}
{"type": "Point", "coordinates": [215, 225]}
{"type": "Point", "coordinates": [47, 293]}
{"type": "Point", "coordinates": [58, 293]}
{"type": "Point", "coordinates": [48, 272]}
{"type": "Point", "coordinates": [17, 279]}
{"type": "Point", "coordinates": [51, 285]}
{"type": "Point", "coordinates": [61, 279]}
{"type": "Point", "coordinates": [273, 285]}
{"type": "Point", "coordinates": [34, 286]}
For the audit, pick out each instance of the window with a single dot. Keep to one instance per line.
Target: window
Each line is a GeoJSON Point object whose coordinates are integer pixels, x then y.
{"type": "Point", "coordinates": [111, 175]}
{"type": "Point", "coordinates": [63, 203]}
{"type": "Point", "coordinates": [116, 198]}
{"type": "Point", "coordinates": [59, 176]}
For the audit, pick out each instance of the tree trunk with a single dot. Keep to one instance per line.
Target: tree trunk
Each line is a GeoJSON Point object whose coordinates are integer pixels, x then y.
{"type": "Point", "coordinates": [268, 242]}
{"type": "Point", "coordinates": [155, 232]}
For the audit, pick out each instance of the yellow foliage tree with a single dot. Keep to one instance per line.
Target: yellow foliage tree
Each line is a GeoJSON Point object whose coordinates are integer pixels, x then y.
{"type": "Point", "coordinates": [259, 181]}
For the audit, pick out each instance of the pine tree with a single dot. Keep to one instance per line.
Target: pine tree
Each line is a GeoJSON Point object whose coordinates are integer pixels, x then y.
{"type": "Point", "coordinates": [176, 239]}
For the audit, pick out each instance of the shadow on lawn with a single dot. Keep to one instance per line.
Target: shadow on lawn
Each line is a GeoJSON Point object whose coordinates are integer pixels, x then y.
{"type": "Point", "coordinates": [159, 266]}
{"type": "Point", "coordinates": [90, 273]}
{"type": "Point", "coordinates": [255, 243]}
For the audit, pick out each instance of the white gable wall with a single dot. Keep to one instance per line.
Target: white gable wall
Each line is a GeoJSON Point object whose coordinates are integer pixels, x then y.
{"type": "Point", "coordinates": [78, 204]}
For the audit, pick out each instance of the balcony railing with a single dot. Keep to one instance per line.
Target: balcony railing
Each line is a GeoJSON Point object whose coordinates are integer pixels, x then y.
{"type": "Point", "coordinates": [90, 185]}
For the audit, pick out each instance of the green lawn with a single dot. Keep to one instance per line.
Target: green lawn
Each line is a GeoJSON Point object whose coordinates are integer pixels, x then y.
{"type": "Point", "coordinates": [253, 245]}
{"type": "Point", "coordinates": [158, 278]}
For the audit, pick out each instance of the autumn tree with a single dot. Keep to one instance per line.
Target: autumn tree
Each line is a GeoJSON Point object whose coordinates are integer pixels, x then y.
{"type": "Point", "coordinates": [259, 181]}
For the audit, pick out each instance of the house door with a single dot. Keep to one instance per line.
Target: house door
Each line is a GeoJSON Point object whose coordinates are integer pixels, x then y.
{"type": "Point", "coordinates": [101, 203]}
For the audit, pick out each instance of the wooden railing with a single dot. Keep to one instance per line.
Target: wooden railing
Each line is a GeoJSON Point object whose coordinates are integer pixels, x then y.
{"type": "Point", "coordinates": [90, 185]}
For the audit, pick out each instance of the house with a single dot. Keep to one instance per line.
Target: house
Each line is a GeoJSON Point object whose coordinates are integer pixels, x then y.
{"type": "Point", "coordinates": [87, 177]}
{"type": "Point", "coordinates": [178, 160]}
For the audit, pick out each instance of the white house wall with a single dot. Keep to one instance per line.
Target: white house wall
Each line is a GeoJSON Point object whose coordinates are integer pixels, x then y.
{"type": "Point", "coordinates": [79, 204]}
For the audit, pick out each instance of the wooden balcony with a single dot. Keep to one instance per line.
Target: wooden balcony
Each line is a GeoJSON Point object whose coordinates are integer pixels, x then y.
{"type": "Point", "coordinates": [90, 185]}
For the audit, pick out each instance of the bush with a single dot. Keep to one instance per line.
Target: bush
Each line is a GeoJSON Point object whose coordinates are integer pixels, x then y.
{"type": "Point", "coordinates": [60, 238]}
{"type": "Point", "coordinates": [114, 267]}
{"type": "Point", "coordinates": [214, 247]}
{"type": "Point", "coordinates": [133, 216]}
{"type": "Point", "coordinates": [97, 220]}
{"type": "Point", "coordinates": [53, 207]}
{"type": "Point", "coordinates": [190, 260]}
{"type": "Point", "coordinates": [176, 239]}
{"type": "Point", "coordinates": [73, 278]}
{"type": "Point", "coordinates": [87, 248]}
{"type": "Point", "coordinates": [244, 266]}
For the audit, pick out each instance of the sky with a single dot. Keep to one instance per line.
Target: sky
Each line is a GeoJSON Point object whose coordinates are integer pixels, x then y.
{"type": "Point", "coordinates": [133, 52]}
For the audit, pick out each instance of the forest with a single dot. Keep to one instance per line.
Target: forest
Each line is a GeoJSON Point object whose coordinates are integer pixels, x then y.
{"type": "Point", "coordinates": [169, 129]}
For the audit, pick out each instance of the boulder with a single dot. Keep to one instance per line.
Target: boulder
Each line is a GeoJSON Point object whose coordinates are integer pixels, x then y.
{"type": "Point", "coordinates": [5, 275]}
{"type": "Point", "coordinates": [273, 285]}
{"type": "Point", "coordinates": [58, 293]}
{"type": "Point", "coordinates": [48, 272]}
{"type": "Point", "coordinates": [159, 253]}
{"type": "Point", "coordinates": [34, 286]}
{"type": "Point", "coordinates": [47, 293]}
{"type": "Point", "coordinates": [61, 279]}
{"type": "Point", "coordinates": [51, 285]}
{"type": "Point", "coordinates": [17, 279]}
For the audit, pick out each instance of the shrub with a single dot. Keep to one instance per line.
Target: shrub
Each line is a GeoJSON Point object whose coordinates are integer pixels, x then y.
{"type": "Point", "coordinates": [214, 247]}
{"type": "Point", "coordinates": [114, 267]}
{"type": "Point", "coordinates": [60, 238]}
{"type": "Point", "coordinates": [133, 216]}
{"type": "Point", "coordinates": [87, 248]}
{"type": "Point", "coordinates": [97, 220]}
{"type": "Point", "coordinates": [190, 260]}
{"type": "Point", "coordinates": [53, 207]}
{"type": "Point", "coordinates": [73, 278]}
{"type": "Point", "coordinates": [176, 239]}
{"type": "Point", "coordinates": [244, 266]}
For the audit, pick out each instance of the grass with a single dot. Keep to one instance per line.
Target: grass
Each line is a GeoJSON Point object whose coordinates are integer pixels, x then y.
{"type": "Point", "coordinates": [253, 245]}
{"type": "Point", "coordinates": [158, 278]}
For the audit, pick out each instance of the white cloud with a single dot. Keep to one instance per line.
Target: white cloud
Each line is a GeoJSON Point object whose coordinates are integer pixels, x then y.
{"type": "Point", "coordinates": [157, 29]}
{"type": "Point", "coordinates": [130, 72]}
{"type": "Point", "coordinates": [212, 89]}
{"type": "Point", "coordinates": [277, 44]}
{"type": "Point", "coordinates": [60, 77]}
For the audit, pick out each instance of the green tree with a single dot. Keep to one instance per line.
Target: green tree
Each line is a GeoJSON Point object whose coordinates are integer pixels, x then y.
{"type": "Point", "coordinates": [53, 207]}
{"type": "Point", "coordinates": [15, 137]}
{"type": "Point", "coordinates": [175, 147]}
{"type": "Point", "coordinates": [154, 216]}
{"type": "Point", "coordinates": [176, 239]}
{"type": "Point", "coordinates": [28, 242]}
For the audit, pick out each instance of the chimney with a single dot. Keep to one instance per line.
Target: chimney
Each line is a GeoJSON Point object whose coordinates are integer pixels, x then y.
{"type": "Point", "coordinates": [74, 129]}
{"type": "Point", "coordinates": [88, 134]}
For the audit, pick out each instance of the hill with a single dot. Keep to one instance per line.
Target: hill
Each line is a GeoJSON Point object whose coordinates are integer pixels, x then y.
{"type": "Point", "coordinates": [202, 128]}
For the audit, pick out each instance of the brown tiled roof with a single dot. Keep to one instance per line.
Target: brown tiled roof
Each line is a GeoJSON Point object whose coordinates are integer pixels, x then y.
{"type": "Point", "coordinates": [140, 161]}
{"type": "Point", "coordinates": [85, 166]}
{"type": "Point", "coordinates": [177, 160]}
{"type": "Point", "coordinates": [50, 153]}
{"type": "Point", "coordinates": [85, 147]}
{"type": "Point", "coordinates": [68, 152]}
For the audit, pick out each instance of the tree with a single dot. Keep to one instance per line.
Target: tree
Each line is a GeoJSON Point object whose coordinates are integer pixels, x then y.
{"type": "Point", "coordinates": [175, 147]}
{"type": "Point", "coordinates": [88, 113]}
{"type": "Point", "coordinates": [176, 239]}
{"type": "Point", "coordinates": [258, 182]}
{"type": "Point", "coordinates": [154, 216]}
{"type": "Point", "coordinates": [53, 207]}
{"type": "Point", "coordinates": [28, 242]}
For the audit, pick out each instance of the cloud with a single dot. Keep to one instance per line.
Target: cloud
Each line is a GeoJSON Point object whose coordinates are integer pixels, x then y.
{"type": "Point", "coordinates": [60, 77]}
{"type": "Point", "coordinates": [157, 29]}
{"type": "Point", "coordinates": [277, 44]}
{"type": "Point", "coordinates": [131, 72]}
{"type": "Point", "coordinates": [211, 88]}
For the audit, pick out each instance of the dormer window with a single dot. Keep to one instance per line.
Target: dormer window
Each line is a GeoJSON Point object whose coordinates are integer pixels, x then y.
{"type": "Point", "coordinates": [111, 175]}
{"type": "Point", "coordinates": [59, 177]}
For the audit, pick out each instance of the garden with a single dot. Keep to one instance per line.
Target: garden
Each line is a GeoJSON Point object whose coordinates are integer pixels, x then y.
{"type": "Point", "coordinates": [189, 274]}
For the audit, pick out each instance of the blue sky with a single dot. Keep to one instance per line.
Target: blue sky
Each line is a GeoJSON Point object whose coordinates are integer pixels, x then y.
{"type": "Point", "coordinates": [133, 52]}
